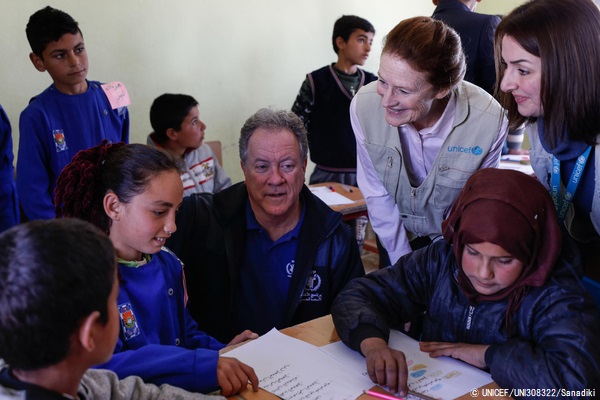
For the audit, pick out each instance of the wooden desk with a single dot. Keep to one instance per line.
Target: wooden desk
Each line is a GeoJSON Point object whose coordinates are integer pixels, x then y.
{"type": "Point", "coordinates": [320, 332]}
{"type": "Point", "coordinates": [349, 211]}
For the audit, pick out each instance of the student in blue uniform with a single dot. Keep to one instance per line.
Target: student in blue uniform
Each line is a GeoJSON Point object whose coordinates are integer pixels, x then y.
{"type": "Point", "coordinates": [50, 339]}
{"type": "Point", "coordinates": [72, 114]}
{"type": "Point", "coordinates": [9, 202]}
{"type": "Point", "coordinates": [132, 193]}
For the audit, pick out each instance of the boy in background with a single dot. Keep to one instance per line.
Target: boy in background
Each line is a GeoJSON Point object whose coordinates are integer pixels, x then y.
{"type": "Point", "coordinates": [175, 119]}
{"type": "Point", "coordinates": [57, 318]}
{"type": "Point", "coordinates": [323, 104]}
{"type": "Point", "coordinates": [71, 115]}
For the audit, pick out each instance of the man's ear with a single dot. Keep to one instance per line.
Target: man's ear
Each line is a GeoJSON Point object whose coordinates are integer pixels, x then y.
{"type": "Point", "coordinates": [112, 205]}
{"type": "Point", "coordinates": [171, 134]}
{"type": "Point", "coordinates": [87, 331]}
{"type": "Point", "coordinates": [37, 62]}
{"type": "Point", "coordinates": [243, 167]}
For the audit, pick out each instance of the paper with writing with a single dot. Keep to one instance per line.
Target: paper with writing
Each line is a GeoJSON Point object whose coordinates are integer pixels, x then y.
{"type": "Point", "coordinates": [441, 378]}
{"type": "Point", "coordinates": [295, 370]}
{"type": "Point", "coordinates": [117, 94]}
{"type": "Point", "coordinates": [330, 197]}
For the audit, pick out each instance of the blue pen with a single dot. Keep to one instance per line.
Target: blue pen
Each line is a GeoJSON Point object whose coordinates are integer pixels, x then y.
{"type": "Point", "coordinates": [332, 189]}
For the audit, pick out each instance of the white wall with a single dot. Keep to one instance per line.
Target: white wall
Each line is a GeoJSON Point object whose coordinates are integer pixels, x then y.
{"type": "Point", "coordinates": [233, 56]}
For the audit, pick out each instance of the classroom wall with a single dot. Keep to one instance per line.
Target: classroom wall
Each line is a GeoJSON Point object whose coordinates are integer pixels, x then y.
{"type": "Point", "coordinates": [233, 56]}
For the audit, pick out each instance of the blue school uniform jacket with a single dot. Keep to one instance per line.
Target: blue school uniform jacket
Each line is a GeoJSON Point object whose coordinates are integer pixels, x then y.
{"type": "Point", "coordinates": [52, 129]}
{"type": "Point", "coordinates": [159, 341]}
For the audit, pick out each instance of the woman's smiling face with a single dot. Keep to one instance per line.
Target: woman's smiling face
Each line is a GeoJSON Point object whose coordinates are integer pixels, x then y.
{"type": "Point", "coordinates": [522, 77]}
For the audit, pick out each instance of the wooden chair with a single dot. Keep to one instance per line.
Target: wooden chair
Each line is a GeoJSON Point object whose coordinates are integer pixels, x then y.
{"type": "Point", "coordinates": [215, 145]}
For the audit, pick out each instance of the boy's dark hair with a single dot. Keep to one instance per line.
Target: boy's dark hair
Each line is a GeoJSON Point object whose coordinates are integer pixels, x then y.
{"type": "Point", "coordinates": [168, 111]}
{"type": "Point", "coordinates": [53, 274]}
{"type": "Point", "coordinates": [347, 24]}
{"type": "Point", "coordinates": [125, 169]}
{"type": "Point", "coordinates": [48, 25]}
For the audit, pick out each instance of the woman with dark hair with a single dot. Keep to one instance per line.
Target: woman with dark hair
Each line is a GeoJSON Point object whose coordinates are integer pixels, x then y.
{"type": "Point", "coordinates": [497, 293]}
{"type": "Point", "coordinates": [421, 131]}
{"type": "Point", "coordinates": [547, 59]}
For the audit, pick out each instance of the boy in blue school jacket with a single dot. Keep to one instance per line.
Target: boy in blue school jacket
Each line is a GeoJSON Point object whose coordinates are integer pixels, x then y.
{"type": "Point", "coordinates": [71, 115]}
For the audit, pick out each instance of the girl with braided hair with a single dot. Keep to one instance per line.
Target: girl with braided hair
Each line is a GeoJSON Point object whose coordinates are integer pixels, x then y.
{"type": "Point", "coordinates": [132, 192]}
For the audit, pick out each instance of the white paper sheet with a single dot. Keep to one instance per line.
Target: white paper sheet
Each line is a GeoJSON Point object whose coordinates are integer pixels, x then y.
{"type": "Point", "coordinates": [296, 370]}
{"type": "Point", "coordinates": [330, 197]}
{"type": "Point", "coordinates": [441, 378]}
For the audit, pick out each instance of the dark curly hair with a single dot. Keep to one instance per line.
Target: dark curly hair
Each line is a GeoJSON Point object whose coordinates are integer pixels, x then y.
{"type": "Point", "coordinates": [124, 169]}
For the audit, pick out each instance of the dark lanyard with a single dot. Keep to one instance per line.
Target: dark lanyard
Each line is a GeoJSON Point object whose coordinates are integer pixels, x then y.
{"type": "Point", "coordinates": [563, 202]}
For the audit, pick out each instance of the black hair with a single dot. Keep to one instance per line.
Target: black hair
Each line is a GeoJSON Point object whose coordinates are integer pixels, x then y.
{"type": "Point", "coordinates": [347, 24]}
{"type": "Point", "coordinates": [53, 274]}
{"type": "Point", "coordinates": [169, 111]}
{"type": "Point", "coordinates": [125, 169]}
{"type": "Point", "coordinates": [48, 25]}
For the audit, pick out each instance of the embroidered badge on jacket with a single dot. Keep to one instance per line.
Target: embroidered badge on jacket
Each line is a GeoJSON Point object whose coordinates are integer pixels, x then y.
{"type": "Point", "coordinates": [59, 140]}
{"type": "Point", "coordinates": [128, 321]}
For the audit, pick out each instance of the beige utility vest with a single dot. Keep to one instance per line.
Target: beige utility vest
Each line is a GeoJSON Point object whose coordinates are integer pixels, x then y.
{"type": "Point", "coordinates": [475, 128]}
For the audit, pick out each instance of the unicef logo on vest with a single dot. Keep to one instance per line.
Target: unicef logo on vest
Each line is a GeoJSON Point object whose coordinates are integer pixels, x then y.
{"type": "Point", "coordinates": [476, 150]}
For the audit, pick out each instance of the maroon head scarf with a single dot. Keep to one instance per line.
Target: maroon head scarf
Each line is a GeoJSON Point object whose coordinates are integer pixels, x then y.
{"type": "Point", "coordinates": [514, 211]}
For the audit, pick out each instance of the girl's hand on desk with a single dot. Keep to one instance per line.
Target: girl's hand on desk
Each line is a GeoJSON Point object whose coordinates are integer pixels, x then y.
{"type": "Point", "coordinates": [233, 376]}
{"type": "Point", "coordinates": [242, 337]}
{"type": "Point", "coordinates": [473, 354]}
{"type": "Point", "coordinates": [385, 366]}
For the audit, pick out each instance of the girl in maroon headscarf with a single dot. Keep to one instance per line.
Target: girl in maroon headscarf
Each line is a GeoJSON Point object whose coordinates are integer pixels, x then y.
{"type": "Point", "coordinates": [495, 294]}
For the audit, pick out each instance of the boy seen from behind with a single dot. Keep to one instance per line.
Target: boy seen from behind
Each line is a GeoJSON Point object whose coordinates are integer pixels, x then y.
{"type": "Point", "coordinates": [59, 317]}
{"type": "Point", "coordinates": [71, 115]}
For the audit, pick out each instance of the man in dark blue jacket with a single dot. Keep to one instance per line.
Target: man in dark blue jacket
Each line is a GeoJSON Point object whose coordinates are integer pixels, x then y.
{"type": "Point", "coordinates": [264, 253]}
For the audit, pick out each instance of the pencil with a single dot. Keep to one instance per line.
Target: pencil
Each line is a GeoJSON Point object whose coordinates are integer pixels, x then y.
{"type": "Point", "coordinates": [381, 395]}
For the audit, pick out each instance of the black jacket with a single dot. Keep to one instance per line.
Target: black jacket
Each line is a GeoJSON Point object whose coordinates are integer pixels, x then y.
{"type": "Point", "coordinates": [554, 344]}
{"type": "Point", "coordinates": [476, 33]}
{"type": "Point", "coordinates": [211, 240]}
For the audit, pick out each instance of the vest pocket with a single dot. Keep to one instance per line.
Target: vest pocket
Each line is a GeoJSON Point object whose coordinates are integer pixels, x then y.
{"type": "Point", "coordinates": [387, 163]}
{"type": "Point", "coordinates": [448, 185]}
